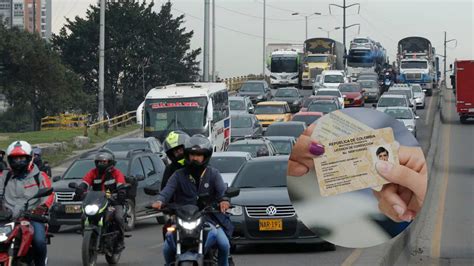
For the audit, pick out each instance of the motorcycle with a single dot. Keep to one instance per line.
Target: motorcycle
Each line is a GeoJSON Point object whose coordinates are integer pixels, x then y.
{"type": "Point", "coordinates": [190, 230]}
{"type": "Point", "coordinates": [100, 233]}
{"type": "Point", "coordinates": [16, 236]}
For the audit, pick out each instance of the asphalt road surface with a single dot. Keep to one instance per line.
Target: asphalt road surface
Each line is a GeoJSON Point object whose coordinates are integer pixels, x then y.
{"type": "Point", "coordinates": [145, 245]}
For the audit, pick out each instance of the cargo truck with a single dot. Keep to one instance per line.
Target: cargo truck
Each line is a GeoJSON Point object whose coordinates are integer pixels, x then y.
{"type": "Point", "coordinates": [464, 88]}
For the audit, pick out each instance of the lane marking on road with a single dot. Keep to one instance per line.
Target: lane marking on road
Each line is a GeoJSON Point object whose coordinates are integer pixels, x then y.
{"type": "Point", "coordinates": [437, 233]}
{"type": "Point", "coordinates": [156, 246]}
{"type": "Point", "coordinates": [430, 107]}
{"type": "Point", "coordinates": [353, 257]}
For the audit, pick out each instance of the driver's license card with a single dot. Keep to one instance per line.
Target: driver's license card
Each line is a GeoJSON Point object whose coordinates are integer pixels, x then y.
{"type": "Point", "coordinates": [348, 163]}
{"type": "Point", "coordinates": [336, 124]}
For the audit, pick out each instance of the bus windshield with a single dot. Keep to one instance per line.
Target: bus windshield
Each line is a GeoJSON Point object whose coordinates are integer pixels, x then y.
{"type": "Point", "coordinates": [284, 64]}
{"type": "Point", "coordinates": [187, 114]}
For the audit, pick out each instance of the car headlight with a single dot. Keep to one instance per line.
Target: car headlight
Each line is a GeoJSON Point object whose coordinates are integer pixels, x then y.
{"type": "Point", "coordinates": [189, 225]}
{"type": "Point", "coordinates": [5, 231]}
{"type": "Point", "coordinates": [410, 128]}
{"type": "Point", "coordinates": [296, 102]}
{"type": "Point", "coordinates": [91, 209]}
{"type": "Point", "coordinates": [236, 210]}
{"type": "Point", "coordinates": [260, 97]}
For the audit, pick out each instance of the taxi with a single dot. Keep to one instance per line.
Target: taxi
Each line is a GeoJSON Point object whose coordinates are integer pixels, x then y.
{"type": "Point", "coordinates": [270, 112]}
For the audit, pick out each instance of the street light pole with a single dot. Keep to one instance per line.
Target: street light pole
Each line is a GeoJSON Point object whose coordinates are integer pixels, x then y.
{"type": "Point", "coordinates": [444, 56]}
{"type": "Point", "coordinates": [205, 63]}
{"type": "Point", "coordinates": [101, 59]}
{"type": "Point", "coordinates": [328, 31]}
{"type": "Point", "coordinates": [305, 21]}
{"type": "Point", "coordinates": [213, 41]}
{"type": "Point", "coordinates": [344, 7]}
{"type": "Point", "coordinates": [264, 33]}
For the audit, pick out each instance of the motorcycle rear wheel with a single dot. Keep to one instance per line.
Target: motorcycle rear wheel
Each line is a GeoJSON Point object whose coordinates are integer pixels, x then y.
{"type": "Point", "coordinates": [89, 254]}
{"type": "Point", "coordinates": [113, 259]}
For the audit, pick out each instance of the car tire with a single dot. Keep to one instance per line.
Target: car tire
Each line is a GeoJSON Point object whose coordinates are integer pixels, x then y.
{"type": "Point", "coordinates": [54, 228]}
{"type": "Point", "coordinates": [131, 216]}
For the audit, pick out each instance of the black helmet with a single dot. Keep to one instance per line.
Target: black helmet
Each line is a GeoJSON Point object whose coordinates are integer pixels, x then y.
{"type": "Point", "coordinates": [174, 140]}
{"type": "Point", "coordinates": [197, 144]}
{"type": "Point", "coordinates": [262, 151]}
{"type": "Point", "coordinates": [104, 155]}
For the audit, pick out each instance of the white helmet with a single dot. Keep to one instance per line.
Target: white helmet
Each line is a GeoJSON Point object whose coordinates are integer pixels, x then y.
{"type": "Point", "coordinates": [19, 148]}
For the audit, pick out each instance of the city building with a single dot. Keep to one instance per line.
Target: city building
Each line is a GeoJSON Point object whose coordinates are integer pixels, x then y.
{"type": "Point", "coordinates": [31, 15]}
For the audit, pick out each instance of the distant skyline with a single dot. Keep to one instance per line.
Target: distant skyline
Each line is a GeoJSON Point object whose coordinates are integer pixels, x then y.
{"type": "Point", "coordinates": [239, 27]}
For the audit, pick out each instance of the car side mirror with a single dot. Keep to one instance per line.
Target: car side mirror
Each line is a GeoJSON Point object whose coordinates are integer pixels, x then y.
{"type": "Point", "coordinates": [56, 178]}
{"type": "Point", "coordinates": [232, 192]}
{"type": "Point", "coordinates": [43, 192]}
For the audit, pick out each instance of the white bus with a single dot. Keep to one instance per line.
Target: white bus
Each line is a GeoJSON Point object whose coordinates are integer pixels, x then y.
{"type": "Point", "coordinates": [195, 108]}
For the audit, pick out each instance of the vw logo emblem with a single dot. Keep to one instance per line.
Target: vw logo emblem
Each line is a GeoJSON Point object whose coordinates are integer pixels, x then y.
{"type": "Point", "coordinates": [271, 210]}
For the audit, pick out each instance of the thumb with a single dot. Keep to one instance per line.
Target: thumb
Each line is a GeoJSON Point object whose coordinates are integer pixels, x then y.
{"type": "Point", "coordinates": [403, 176]}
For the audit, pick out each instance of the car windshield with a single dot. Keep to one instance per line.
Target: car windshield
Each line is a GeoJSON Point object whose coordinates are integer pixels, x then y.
{"type": "Point", "coordinates": [80, 168]}
{"type": "Point", "coordinates": [399, 113]}
{"type": "Point", "coordinates": [269, 109]}
{"type": "Point", "coordinates": [250, 148]}
{"type": "Point", "coordinates": [414, 64]}
{"type": "Point", "coordinates": [402, 92]}
{"type": "Point", "coordinates": [316, 59]}
{"type": "Point", "coordinates": [285, 129]}
{"type": "Point", "coordinates": [127, 146]}
{"type": "Point", "coordinates": [252, 87]}
{"type": "Point", "coordinates": [240, 122]}
{"type": "Point", "coordinates": [286, 93]}
{"type": "Point", "coordinates": [227, 164]}
{"type": "Point", "coordinates": [282, 146]}
{"type": "Point", "coordinates": [236, 105]}
{"type": "Point", "coordinates": [368, 84]}
{"type": "Point", "coordinates": [333, 79]}
{"type": "Point", "coordinates": [328, 93]}
{"type": "Point", "coordinates": [262, 174]}
{"type": "Point", "coordinates": [391, 101]}
{"type": "Point", "coordinates": [349, 88]}
{"type": "Point", "coordinates": [360, 40]}
{"type": "Point", "coordinates": [308, 119]}
{"type": "Point", "coordinates": [322, 106]}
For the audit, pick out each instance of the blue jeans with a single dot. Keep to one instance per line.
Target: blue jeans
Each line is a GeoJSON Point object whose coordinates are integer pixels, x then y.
{"type": "Point", "coordinates": [215, 236]}
{"type": "Point", "coordinates": [39, 243]}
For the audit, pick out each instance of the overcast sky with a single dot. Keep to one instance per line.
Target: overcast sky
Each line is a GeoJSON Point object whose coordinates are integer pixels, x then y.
{"type": "Point", "coordinates": [239, 25]}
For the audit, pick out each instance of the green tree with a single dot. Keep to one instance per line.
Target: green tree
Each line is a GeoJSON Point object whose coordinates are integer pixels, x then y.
{"type": "Point", "coordinates": [143, 49]}
{"type": "Point", "coordinates": [34, 81]}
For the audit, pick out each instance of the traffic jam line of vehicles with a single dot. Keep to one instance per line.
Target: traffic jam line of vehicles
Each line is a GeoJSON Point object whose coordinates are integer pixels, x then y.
{"type": "Point", "coordinates": [253, 133]}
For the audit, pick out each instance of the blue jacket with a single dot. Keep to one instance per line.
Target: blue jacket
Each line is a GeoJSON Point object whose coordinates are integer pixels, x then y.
{"type": "Point", "coordinates": [183, 191]}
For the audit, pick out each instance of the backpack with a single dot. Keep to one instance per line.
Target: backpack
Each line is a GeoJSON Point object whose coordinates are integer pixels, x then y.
{"type": "Point", "coordinates": [9, 176]}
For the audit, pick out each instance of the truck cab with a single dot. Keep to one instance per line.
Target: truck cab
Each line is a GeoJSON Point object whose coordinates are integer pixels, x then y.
{"type": "Point", "coordinates": [313, 65]}
{"type": "Point", "coordinates": [418, 71]}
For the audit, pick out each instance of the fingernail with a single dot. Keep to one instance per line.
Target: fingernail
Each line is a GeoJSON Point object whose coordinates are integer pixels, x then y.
{"type": "Point", "coordinates": [409, 218]}
{"type": "Point", "coordinates": [383, 167]}
{"type": "Point", "coordinates": [316, 149]}
{"type": "Point", "coordinates": [399, 210]}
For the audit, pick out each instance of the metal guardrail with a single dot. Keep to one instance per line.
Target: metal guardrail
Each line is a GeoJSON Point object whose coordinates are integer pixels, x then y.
{"type": "Point", "coordinates": [115, 122]}
{"type": "Point", "coordinates": [63, 121]}
{"type": "Point", "coordinates": [234, 84]}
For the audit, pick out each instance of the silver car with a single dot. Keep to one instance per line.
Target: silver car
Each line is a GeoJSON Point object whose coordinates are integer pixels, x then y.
{"type": "Point", "coordinates": [404, 115]}
{"type": "Point", "coordinates": [391, 100]}
{"type": "Point", "coordinates": [419, 94]}
{"type": "Point", "coordinates": [371, 90]}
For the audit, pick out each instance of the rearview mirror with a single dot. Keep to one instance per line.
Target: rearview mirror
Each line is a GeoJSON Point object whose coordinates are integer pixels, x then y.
{"type": "Point", "coordinates": [56, 178]}
{"type": "Point", "coordinates": [43, 192]}
{"type": "Point", "coordinates": [232, 192]}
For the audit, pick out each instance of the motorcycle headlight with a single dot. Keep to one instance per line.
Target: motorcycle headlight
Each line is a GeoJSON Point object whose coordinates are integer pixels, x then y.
{"type": "Point", "coordinates": [5, 231]}
{"type": "Point", "coordinates": [235, 211]}
{"type": "Point", "coordinates": [91, 209]}
{"type": "Point", "coordinates": [189, 225]}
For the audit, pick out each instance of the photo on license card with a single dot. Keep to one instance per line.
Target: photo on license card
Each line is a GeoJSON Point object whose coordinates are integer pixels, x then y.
{"type": "Point", "coordinates": [343, 204]}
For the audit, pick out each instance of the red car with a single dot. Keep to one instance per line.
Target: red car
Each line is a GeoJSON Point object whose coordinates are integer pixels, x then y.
{"type": "Point", "coordinates": [307, 117]}
{"type": "Point", "coordinates": [353, 94]}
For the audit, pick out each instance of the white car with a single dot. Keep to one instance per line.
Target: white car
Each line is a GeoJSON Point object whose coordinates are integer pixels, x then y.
{"type": "Point", "coordinates": [404, 91]}
{"type": "Point", "coordinates": [332, 78]}
{"type": "Point", "coordinates": [419, 94]}
{"type": "Point", "coordinates": [331, 92]}
{"type": "Point", "coordinates": [391, 100]}
{"type": "Point", "coordinates": [404, 115]}
{"type": "Point", "coordinates": [228, 163]}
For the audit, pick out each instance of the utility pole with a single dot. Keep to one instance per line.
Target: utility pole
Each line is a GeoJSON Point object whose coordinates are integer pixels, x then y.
{"type": "Point", "coordinates": [101, 60]}
{"type": "Point", "coordinates": [213, 41]}
{"type": "Point", "coordinates": [444, 56]}
{"type": "Point", "coordinates": [344, 7]}
{"type": "Point", "coordinates": [11, 14]}
{"type": "Point", "coordinates": [263, 48]}
{"type": "Point", "coordinates": [34, 16]}
{"type": "Point", "coordinates": [205, 64]}
{"type": "Point", "coordinates": [305, 21]}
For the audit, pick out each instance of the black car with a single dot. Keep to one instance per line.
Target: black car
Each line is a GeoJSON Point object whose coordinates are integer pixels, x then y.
{"type": "Point", "coordinates": [290, 95]}
{"type": "Point", "coordinates": [128, 144]}
{"type": "Point", "coordinates": [252, 145]}
{"type": "Point", "coordinates": [283, 144]}
{"type": "Point", "coordinates": [290, 128]}
{"type": "Point", "coordinates": [141, 168]}
{"type": "Point", "coordinates": [263, 212]}
{"type": "Point", "coordinates": [256, 90]}
{"type": "Point", "coordinates": [243, 125]}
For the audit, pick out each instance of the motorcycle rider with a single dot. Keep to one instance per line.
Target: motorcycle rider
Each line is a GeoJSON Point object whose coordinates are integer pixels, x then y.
{"type": "Point", "coordinates": [3, 165]}
{"type": "Point", "coordinates": [174, 148]}
{"type": "Point", "coordinates": [186, 184]}
{"type": "Point", "coordinates": [105, 177]}
{"type": "Point", "coordinates": [21, 182]}
{"type": "Point", "coordinates": [42, 165]}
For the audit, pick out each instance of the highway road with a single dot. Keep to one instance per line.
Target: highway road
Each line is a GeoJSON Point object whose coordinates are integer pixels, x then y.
{"type": "Point", "coordinates": [145, 245]}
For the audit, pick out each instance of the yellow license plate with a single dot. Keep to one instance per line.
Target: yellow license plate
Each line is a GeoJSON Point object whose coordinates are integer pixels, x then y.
{"type": "Point", "coordinates": [73, 209]}
{"type": "Point", "coordinates": [346, 102]}
{"type": "Point", "coordinates": [270, 224]}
